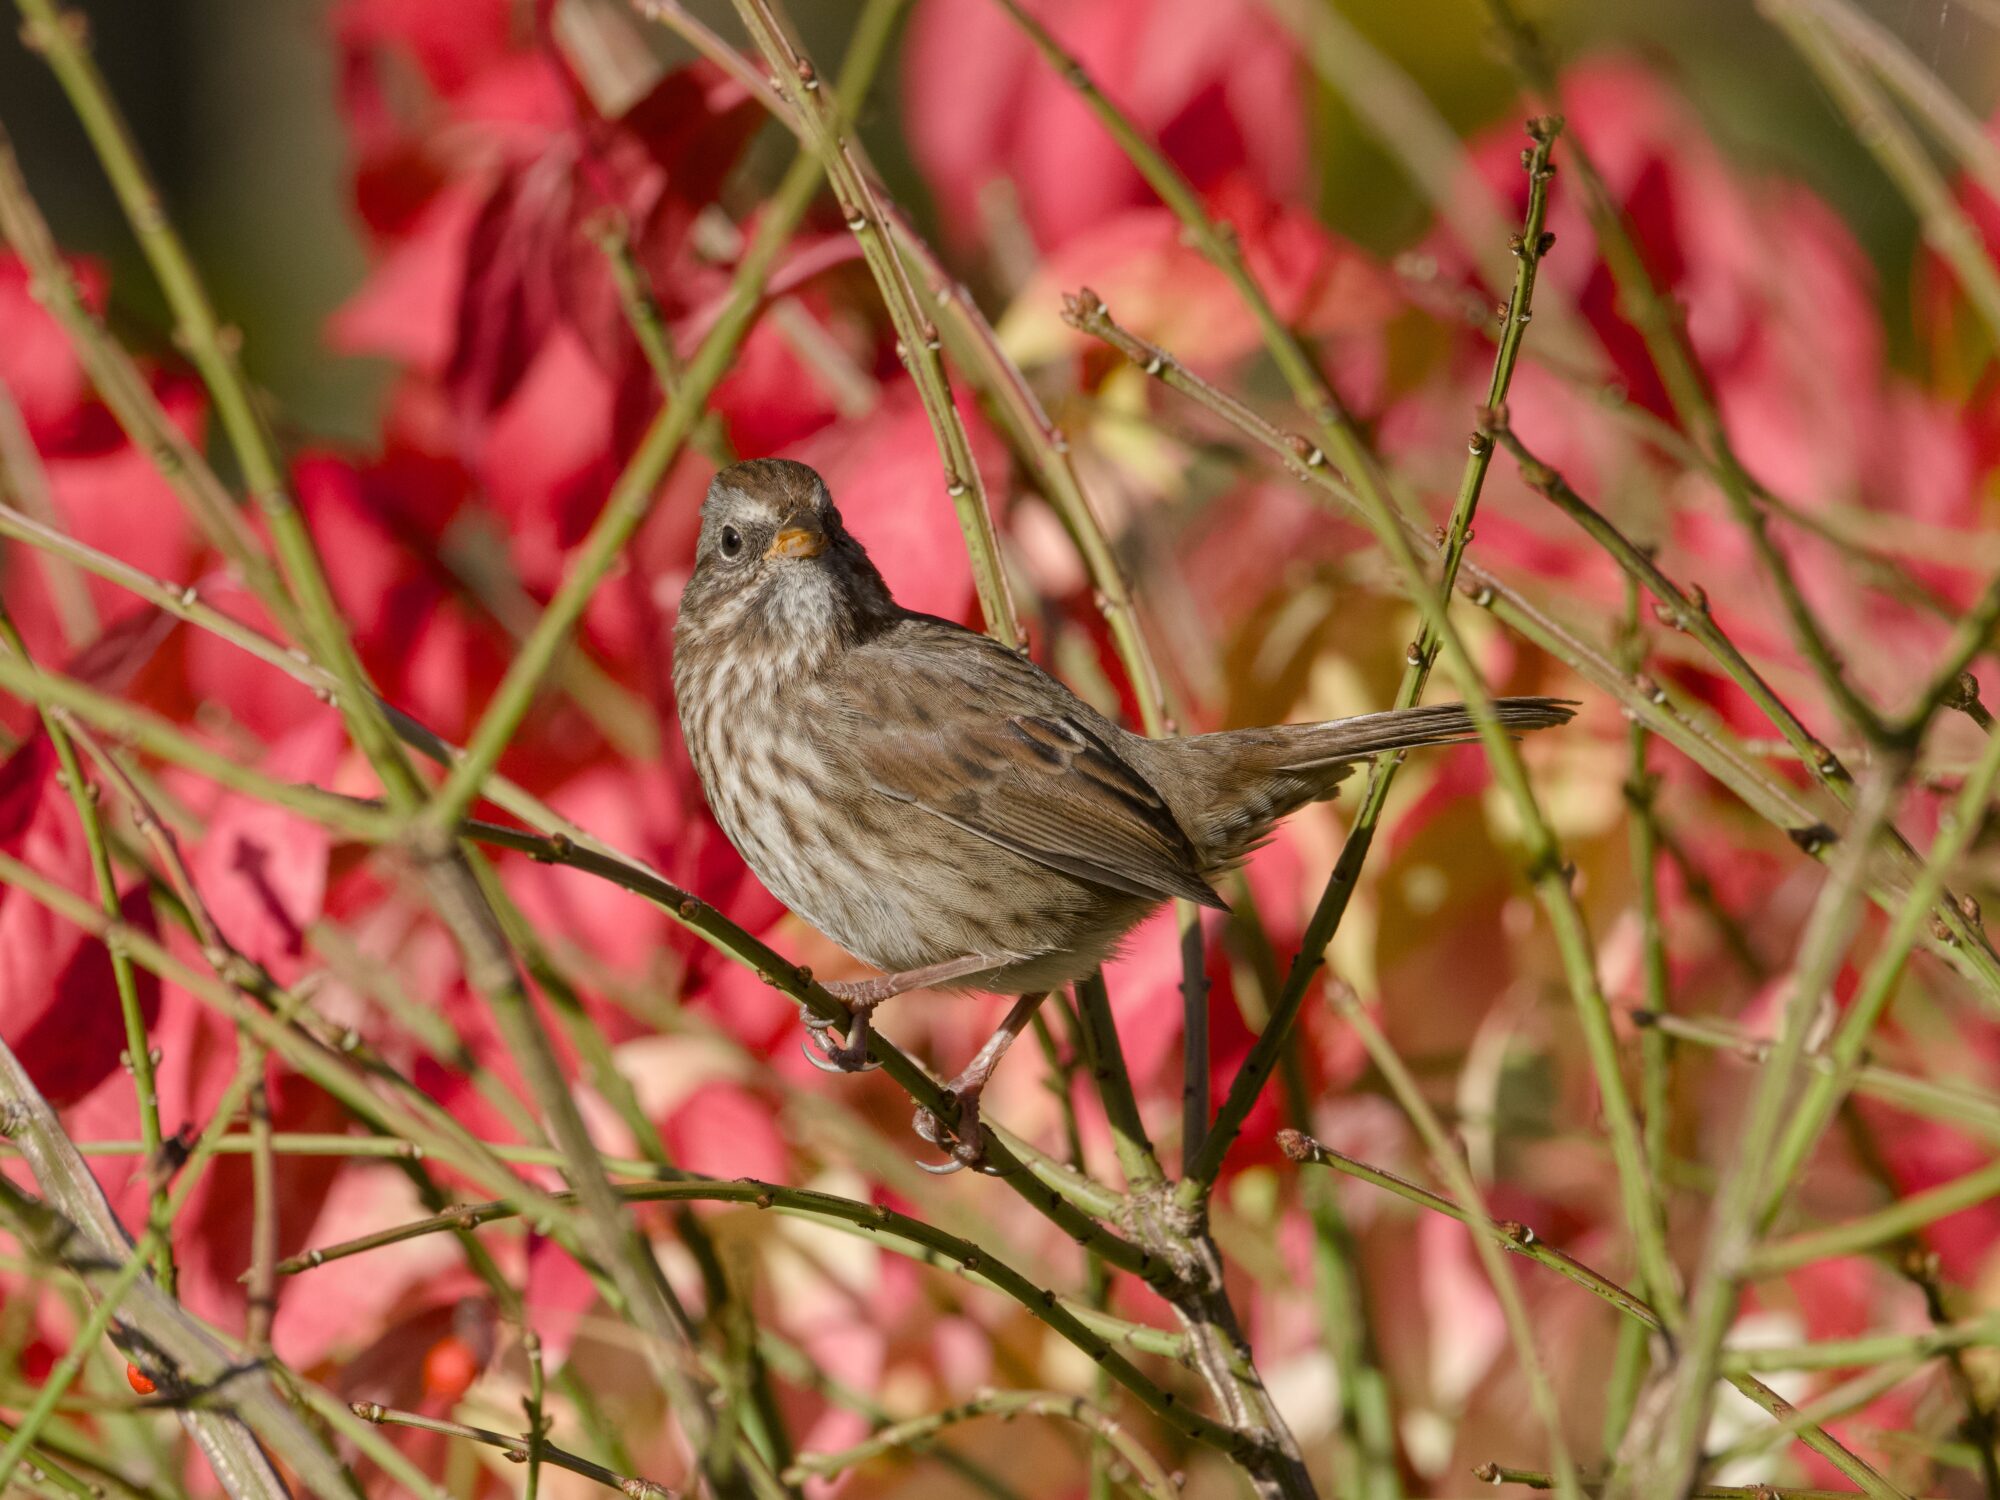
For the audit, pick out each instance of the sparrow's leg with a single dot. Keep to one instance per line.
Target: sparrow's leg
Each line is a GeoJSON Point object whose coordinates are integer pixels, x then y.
{"type": "Point", "coordinates": [967, 1143]}
{"type": "Point", "coordinates": [863, 995]}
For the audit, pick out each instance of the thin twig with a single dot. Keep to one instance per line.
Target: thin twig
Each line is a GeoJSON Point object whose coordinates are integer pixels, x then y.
{"type": "Point", "coordinates": [1523, 1239]}
{"type": "Point", "coordinates": [1895, 146]}
{"type": "Point", "coordinates": [1486, 1234]}
{"type": "Point", "coordinates": [649, 328]}
{"type": "Point", "coordinates": [1651, 701]}
{"type": "Point", "coordinates": [138, 1045]}
{"type": "Point", "coordinates": [1659, 322]}
{"type": "Point", "coordinates": [1255, 1072]}
{"type": "Point", "coordinates": [1633, 1359]}
{"type": "Point", "coordinates": [1105, 1060]}
{"type": "Point", "coordinates": [876, 1220]}
{"type": "Point", "coordinates": [261, 1300]}
{"type": "Point", "coordinates": [1849, 1396]}
{"type": "Point", "coordinates": [1867, 1349]}
{"type": "Point", "coordinates": [129, 395]}
{"type": "Point", "coordinates": [1671, 1460]}
{"type": "Point", "coordinates": [128, 723]}
{"type": "Point", "coordinates": [1883, 1227]}
{"type": "Point", "coordinates": [558, 839]}
{"type": "Point", "coordinates": [26, 481]}
{"type": "Point", "coordinates": [1921, 1266]}
{"type": "Point", "coordinates": [247, 1079]}
{"type": "Point", "coordinates": [1541, 855]}
{"type": "Point", "coordinates": [791, 1362]}
{"type": "Point", "coordinates": [1965, 1106]}
{"type": "Point", "coordinates": [827, 121]}
{"type": "Point", "coordinates": [1535, 1479]}
{"type": "Point", "coordinates": [1879, 983]}
{"type": "Point", "coordinates": [1006, 1405]}
{"type": "Point", "coordinates": [630, 501]}
{"type": "Point", "coordinates": [519, 1450]}
{"type": "Point", "coordinates": [77, 1227]}
{"type": "Point", "coordinates": [1681, 610]}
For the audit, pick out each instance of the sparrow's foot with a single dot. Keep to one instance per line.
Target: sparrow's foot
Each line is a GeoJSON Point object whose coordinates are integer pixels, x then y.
{"type": "Point", "coordinates": [863, 995]}
{"type": "Point", "coordinates": [831, 1056]}
{"type": "Point", "coordinates": [966, 1142]}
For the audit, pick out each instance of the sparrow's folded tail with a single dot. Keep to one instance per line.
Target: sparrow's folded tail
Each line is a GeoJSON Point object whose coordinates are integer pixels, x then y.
{"type": "Point", "coordinates": [1229, 788]}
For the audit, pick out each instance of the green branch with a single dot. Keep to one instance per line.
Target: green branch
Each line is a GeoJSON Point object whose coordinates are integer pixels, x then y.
{"type": "Point", "coordinates": [878, 1221]}
{"type": "Point", "coordinates": [1522, 1239]}
{"type": "Point", "coordinates": [918, 1432]}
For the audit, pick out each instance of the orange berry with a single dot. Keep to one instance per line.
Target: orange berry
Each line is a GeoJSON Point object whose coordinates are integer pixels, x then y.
{"type": "Point", "coordinates": [450, 1367]}
{"type": "Point", "coordinates": [138, 1379]}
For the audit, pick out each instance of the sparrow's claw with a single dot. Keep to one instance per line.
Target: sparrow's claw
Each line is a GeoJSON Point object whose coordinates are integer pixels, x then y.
{"type": "Point", "coordinates": [830, 1056]}
{"type": "Point", "coordinates": [819, 1060]}
{"type": "Point", "coordinates": [966, 1144]}
{"type": "Point", "coordinates": [850, 1060]}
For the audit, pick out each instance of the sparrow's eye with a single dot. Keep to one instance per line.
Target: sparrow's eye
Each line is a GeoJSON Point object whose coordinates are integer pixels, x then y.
{"type": "Point", "coordinates": [732, 541]}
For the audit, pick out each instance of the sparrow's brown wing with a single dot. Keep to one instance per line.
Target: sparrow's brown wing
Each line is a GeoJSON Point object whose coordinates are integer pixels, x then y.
{"type": "Point", "coordinates": [960, 727]}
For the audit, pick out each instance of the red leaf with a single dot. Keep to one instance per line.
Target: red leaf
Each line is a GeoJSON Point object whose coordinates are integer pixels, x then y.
{"type": "Point", "coordinates": [1167, 291]}
{"type": "Point", "coordinates": [1216, 82]}
{"type": "Point", "coordinates": [37, 364]}
{"type": "Point", "coordinates": [726, 1131]}
{"type": "Point", "coordinates": [59, 1004]}
{"type": "Point", "coordinates": [546, 455]}
{"type": "Point", "coordinates": [407, 309]}
{"type": "Point", "coordinates": [262, 869]}
{"type": "Point", "coordinates": [118, 503]}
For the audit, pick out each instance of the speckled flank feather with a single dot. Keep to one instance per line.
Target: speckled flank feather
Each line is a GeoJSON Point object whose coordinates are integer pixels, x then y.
{"type": "Point", "coordinates": [920, 793]}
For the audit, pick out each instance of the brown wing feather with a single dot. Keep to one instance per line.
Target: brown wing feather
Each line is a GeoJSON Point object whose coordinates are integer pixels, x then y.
{"type": "Point", "coordinates": [1046, 782]}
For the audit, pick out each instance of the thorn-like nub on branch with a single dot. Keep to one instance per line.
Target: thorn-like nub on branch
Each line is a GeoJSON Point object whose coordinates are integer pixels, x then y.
{"type": "Point", "coordinates": [1082, 307]}
{"type": "Point", "coordinates": [1963, 692]}
{"type": "Point", "coordinates": [1812, 838]}
{"type": "Point", "coordinates": [1296, 1144]}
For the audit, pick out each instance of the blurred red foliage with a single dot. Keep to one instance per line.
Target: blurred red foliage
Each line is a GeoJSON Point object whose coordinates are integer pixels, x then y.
{"type": "Point", "coordinates": [481, 171]}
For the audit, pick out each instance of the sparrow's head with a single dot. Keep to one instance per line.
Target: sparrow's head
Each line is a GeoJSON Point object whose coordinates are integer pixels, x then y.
{"type": "Point", "coordinates": [774, 562]}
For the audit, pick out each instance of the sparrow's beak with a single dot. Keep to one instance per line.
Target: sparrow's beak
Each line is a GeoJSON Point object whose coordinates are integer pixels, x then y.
{"type": "Point", "coordinates": [796, 541]}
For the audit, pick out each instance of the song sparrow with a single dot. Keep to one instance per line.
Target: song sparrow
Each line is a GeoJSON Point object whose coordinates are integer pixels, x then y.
{"type": "Point", "coordinates": [937, 803]}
